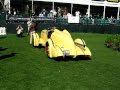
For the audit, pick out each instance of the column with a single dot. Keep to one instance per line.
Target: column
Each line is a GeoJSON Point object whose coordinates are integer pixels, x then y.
{"type": "Point", "coordinates": [53, 6]}
{"type": "Point", "coordinates": [118, 13]}
{"type": "Point", "coordinates": [104, 12]}
{"type": "Point", "coordinates": [71, 8]}
{"type": "Point", "coordinates": [88, 11]}
{"type": "Point", "coordinates": [32, 7]}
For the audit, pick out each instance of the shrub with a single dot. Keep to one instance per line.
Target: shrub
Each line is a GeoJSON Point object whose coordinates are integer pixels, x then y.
{"type": "Point", "coordinates": [109, 42]}
{"type": "Point", "coordinates": [113, 42]}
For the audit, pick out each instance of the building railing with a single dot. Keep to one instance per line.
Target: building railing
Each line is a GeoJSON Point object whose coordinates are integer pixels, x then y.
{"type": "Point", "coordinates": [92, 21]}
{"type": "Point", "coordinates": [82, 20]}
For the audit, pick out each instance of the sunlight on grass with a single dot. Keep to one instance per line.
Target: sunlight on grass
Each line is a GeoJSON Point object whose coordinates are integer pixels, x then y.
{"type": "Point", "coordinates": [24, 67]}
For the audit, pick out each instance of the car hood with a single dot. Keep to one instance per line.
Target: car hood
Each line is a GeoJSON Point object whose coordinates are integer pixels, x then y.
{"type": "Point", "coordinates": [62, 40]}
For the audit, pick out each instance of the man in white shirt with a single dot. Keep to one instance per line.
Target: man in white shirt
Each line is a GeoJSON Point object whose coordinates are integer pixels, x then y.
{"type": "Point", "coordinates": [29, 23]}
{"type": "Point", "coordinates": [77, 13]}
{"type": "Point", "coordinates": [32, 31]}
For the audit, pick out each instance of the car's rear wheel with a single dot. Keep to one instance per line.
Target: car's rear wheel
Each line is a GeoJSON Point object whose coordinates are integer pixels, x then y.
{"type": "Point", "coordinates": [88, 57]}
{"type": "Point", "coordinates": [48, 50]}
{"type": "Point", "coordinates": [33, 41]}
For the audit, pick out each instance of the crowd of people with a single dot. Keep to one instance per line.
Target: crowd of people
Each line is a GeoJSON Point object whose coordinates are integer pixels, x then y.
{"type": "Point", "coordinates": [64, 13]}
{"type": "Point", "coordinates": [58, 12]}
{"type": "Point", "coordinates": [32, 28]}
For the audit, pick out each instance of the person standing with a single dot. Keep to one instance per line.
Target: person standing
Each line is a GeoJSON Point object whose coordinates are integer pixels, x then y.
{"type": "Point", "coordinates": [29, 23]}
{"type": "Point", "coordinates": [32, 30]}
{"type": "Point", "coordinates": [77, 13]}
{"type": "Point", "coordinates": [59, 12]}
{"type": "Point", "coordinates": [65, 13]}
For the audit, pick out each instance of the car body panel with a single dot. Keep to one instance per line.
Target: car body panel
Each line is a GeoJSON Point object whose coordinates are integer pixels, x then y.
{"type": "Point", "coordinates": [60, 44]}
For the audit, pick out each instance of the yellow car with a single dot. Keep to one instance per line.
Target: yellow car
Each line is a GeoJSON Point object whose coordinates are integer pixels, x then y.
{"type": "Point", "coordinates": [60, 44]}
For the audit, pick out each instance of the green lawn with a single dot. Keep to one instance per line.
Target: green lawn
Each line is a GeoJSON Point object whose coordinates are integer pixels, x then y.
{"type": "Point", "coordinates": [23, 67]}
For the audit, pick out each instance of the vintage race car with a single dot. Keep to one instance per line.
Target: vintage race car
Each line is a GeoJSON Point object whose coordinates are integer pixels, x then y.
{"type": "Point", "coordinates": [60, 44]}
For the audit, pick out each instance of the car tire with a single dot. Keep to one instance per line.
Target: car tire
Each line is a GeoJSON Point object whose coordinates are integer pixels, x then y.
{"type": "Point", "coordinates": [48, 50]}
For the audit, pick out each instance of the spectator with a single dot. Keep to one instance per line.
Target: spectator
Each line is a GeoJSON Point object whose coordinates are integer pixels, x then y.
{"type": "Point", "coordinates": [29, 23]}
{"type": "Point", "coordinates": [68, 15]}
{"type": "Point", "coordinates": [54, 13]}
{"type": "Point", "coordinates": [14, 12]}
{"type": "Point", "coordinates": [65, 13]}
{"type": "Point", "coordinates": [59, 12]}
{"type": "Point", "coordinates": [50, 15]}
{"type": "Point", "coordinates": [44, 12]}
{"type": "Point", "coordinates": [27, 8]}
{"type": "Point", "coordinates": [19, 30]}
{"type": "Point", "coordinates": [32, 30]}
{"type": "Point", "coordinates": [41, 15]}
{"type": "Point", "coordinates": [77, 13]}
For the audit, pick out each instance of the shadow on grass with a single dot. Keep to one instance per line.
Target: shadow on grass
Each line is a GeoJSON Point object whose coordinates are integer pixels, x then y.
{"type": "Point", "coordinates": [68, 58]}
{"type": "Point", "coordinates": [2, 37]}
{"type": "Point", "coordinates": [20, 36]}
{"type": "Point", "coordinates": [7, 56]}
{"type": "Point", "coordinates": [39, 47]}
{"type": "Point", "coordinates": [78, 58]}
{"type": "Point", "coordinates": [3, 49]}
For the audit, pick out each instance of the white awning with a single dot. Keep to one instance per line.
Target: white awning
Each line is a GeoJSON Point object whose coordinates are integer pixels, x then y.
{"type": "Point", "coordinates": [85, 2]}
{"type": "Point", "coordinates": [66, 1]}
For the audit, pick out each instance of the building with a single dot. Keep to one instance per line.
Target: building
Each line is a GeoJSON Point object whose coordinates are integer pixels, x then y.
{"type": "Point", "coordinates": [91, 7]}
{"type": "Point", "coordinates": [100, 8]}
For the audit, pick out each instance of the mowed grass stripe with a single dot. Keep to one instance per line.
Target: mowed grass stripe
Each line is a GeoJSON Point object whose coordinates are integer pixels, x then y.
{"type": "Point", "coordinates": [30, 68]}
